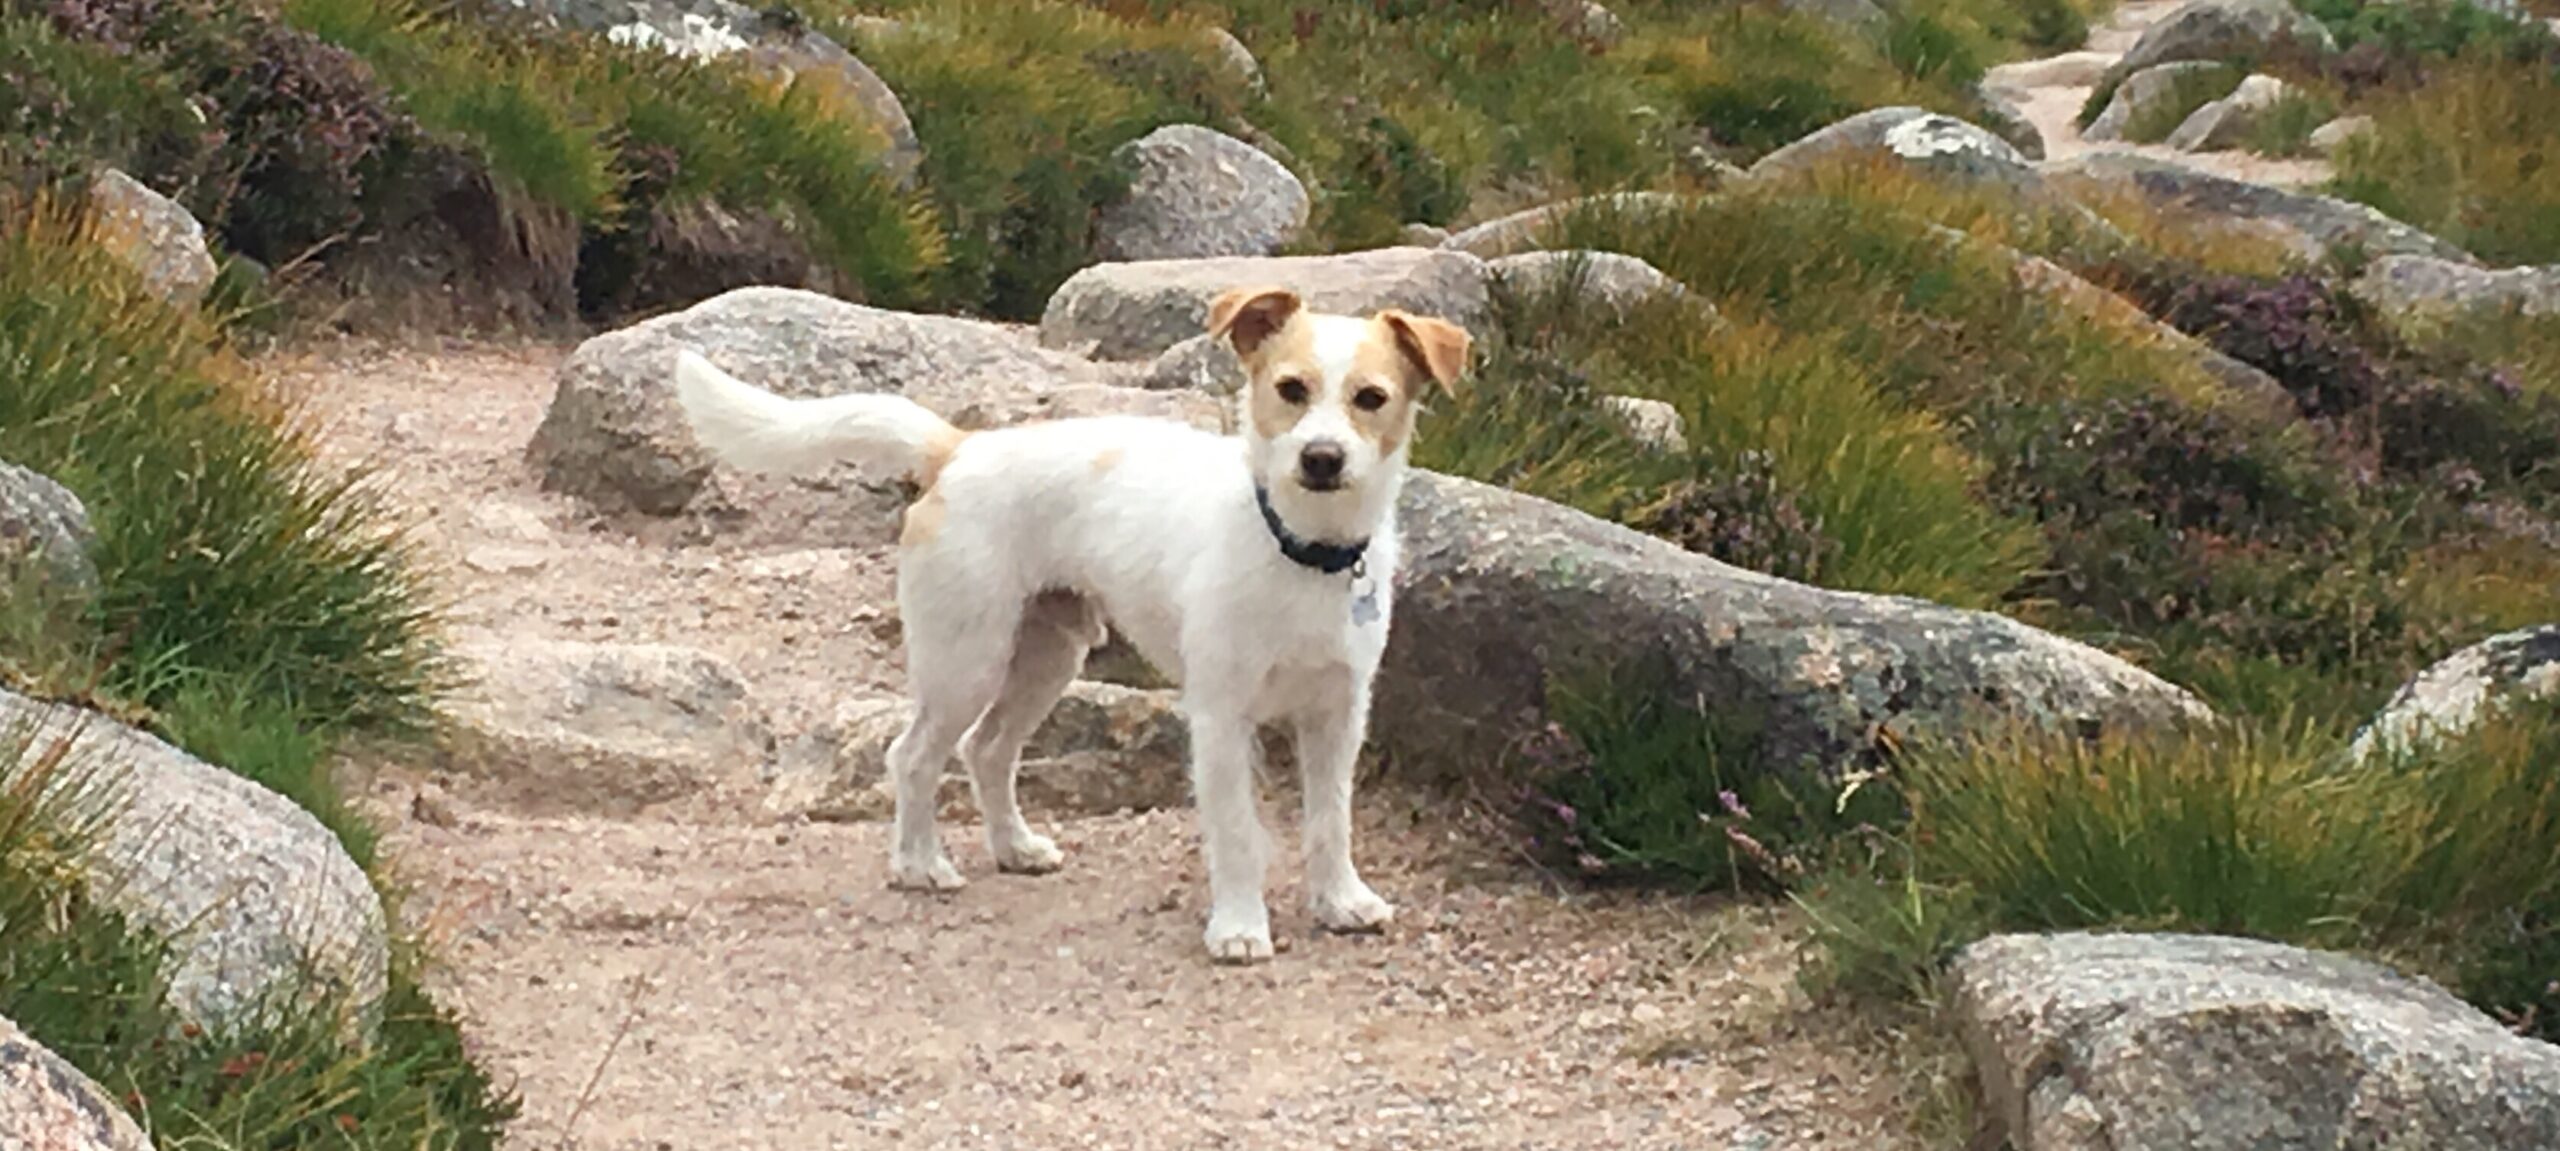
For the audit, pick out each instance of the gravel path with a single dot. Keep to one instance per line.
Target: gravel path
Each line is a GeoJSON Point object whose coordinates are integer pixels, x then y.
{"type": "Point", "coordinates": [704, 977]}
{"type": "Point", "coordinates": [2054, 108]}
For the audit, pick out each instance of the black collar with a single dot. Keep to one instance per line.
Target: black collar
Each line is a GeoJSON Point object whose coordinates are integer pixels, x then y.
{"type": "Point", "coordinates": [1331, 559]}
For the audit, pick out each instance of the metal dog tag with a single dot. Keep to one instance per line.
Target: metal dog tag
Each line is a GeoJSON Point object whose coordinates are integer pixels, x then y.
{"type": "Point", "coordinates": [1364, 609]}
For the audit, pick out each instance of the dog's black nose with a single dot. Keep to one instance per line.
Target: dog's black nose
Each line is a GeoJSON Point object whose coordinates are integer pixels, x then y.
{"type": "Point", "coordinates": [1321, 463]}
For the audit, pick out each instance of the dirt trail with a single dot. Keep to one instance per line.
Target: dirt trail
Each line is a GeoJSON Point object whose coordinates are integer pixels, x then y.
{"type": "Point", "coordinates": [2054, 107]}
{"type": "Point", "coordinates": [707, 978]}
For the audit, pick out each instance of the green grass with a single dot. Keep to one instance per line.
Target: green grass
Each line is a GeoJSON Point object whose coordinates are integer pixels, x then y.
{"type": "Point", "coordinates": [223, 551]}
{"type": "Point", "coordinates": [2467, 156]}
{"type": "Point", "coordinates": [253, 608]}
{"type": "Point", "coordinates": [2442, 860]}
{"type": "Point", "coordinates": [90, 987]}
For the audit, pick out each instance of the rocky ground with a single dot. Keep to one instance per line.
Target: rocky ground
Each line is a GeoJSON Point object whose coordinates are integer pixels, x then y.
{"type": "Point", "coordinates": [702, 974]}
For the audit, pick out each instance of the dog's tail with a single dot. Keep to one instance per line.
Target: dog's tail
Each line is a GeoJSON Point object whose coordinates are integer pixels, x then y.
{"type": "Point", "coordinates": [747, 427]}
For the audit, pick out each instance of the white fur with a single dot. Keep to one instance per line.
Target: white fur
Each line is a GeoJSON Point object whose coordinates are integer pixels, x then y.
{"type": "Point", "coordinates": [1032, 535]}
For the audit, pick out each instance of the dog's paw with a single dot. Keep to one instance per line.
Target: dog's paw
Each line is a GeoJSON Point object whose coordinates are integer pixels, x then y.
{"type": "Point", "coordinates": [1357, 910]}
{"type": "Point", "coordinates": [934, 874]}
{"type": "Point", "coordinates": [1239, 942]}
{"type": "Point", "coordinates": [1029, 853]}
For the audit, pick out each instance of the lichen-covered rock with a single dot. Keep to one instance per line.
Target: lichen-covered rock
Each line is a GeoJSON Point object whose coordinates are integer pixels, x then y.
{"type": "Point", "coordinates": [1655, 424]}
{"type": "Point", "coordinates": [2425, 290]}
{"type": "Point", "coordinates": [614, 436]}
{"type": "Point", "coordinates": [46, 1104]}
{"type": "Point", "coordinates": [1233, 57]}
{"type": "Point", "coordinates": [1194, 193]}
{"type": "Point", "coordinates": [2197, 1043]}
{"type": "Point", "coordinates": [2315, 225]}
{"type": "Point", "coordinates": [2002, 117]}
{"type": "Point", "coordinates": [615, 728]}
{"type": "Point", "coordinates": [153, 235]}
{"type": "Point", "coordinates": [2226, 123]}
{"type": "Point", "coordinates": [1106, 748]}
{"type": "Point", "coordinates": [1533, 229]}
{"type": "Point", "coordinates": [2328, 138]}
{"type": "Point", "coordinates": [41, 522]}
{"type": "Point", "coordinates": [2146, 90]}
{"type": "Point", "coordinates": [2465, 689]}
{"type": "Point", "coordinates": [1609, 281]}
{"type": "Point", "coordinates": [1588, 21]}
{"type": "Point", "coordinates": [1497, 590]}
{"type": "Point", "coordinates": [1134, 311]}
{"type": "Point", "coordinates": [1919, 139]}
{"type": "Point", "coordinates": [261, 906]}
{"type": "Point", "coordinates": [2234, 31]}
{"type": "Point", "coordinates": [775, 42]}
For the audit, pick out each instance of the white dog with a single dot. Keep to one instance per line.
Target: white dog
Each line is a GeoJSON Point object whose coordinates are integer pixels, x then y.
{"type": "Point", "coordinates": [1256, 571]}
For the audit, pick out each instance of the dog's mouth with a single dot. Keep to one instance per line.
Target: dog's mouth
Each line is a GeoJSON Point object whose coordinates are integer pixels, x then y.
{"type": "Point", "coordinates": [1323, 483]}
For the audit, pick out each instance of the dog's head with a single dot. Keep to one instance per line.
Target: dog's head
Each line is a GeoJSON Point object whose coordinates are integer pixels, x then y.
{"type": "Point", "coordinates": [1330, 401]}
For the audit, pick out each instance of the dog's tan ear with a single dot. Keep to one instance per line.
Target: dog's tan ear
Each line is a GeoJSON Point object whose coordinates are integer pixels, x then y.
{"type": "Point", "coordinates": [1245, 317]}
{"type": "Point", "coordinates": [1438, 347]}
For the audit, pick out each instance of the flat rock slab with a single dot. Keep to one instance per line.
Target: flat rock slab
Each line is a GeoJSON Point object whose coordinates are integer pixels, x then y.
{"type": "Point", "coordinates": [2312, 224]}
{"type": "Point", "coordinates": [1496, 590]}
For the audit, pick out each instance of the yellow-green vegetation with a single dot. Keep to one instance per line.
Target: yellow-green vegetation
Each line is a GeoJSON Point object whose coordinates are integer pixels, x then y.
{"type": "Point", "coordinates": [568, 161]}
{"type": "Point", "coordinates": [2468, 156]}
{"type": "Point", "coordinates": [253, 608]}
{"type": "Point", "coordinates": [2442, 859]}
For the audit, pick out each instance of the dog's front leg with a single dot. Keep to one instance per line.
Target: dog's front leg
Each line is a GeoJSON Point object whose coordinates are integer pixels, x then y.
{"type": "Point", "coordinates": [1328, 746]}
{"type": "Point", "coordinates": [1231, 836]}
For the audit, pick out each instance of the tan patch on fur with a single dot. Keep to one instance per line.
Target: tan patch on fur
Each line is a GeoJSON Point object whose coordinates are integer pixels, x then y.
{"type": "Point", "coordinates": [1105, 460]}
{"type": "Point", "coordinates": [1246, 317]}
{"type": "Point", "coordinates": [923, 521]}
{"type": "Point", "coordinates": [1382, 363]}
{"type": "Point", "coordinates": [1289, 353]}
{"type": "Point", "coordinates": [1438, 347]}
{"type": "Point", "coordinates": [937, 454]}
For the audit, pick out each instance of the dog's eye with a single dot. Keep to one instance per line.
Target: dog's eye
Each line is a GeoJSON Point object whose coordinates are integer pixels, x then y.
{"type": "Point", "coordinates": [1369, 399]}
{"type": "Point", "coordinates": [1292, 390]}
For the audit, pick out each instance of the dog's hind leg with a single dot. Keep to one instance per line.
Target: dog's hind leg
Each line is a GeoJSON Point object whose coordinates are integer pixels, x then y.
{"type": "Point", "coordinates": [1058, 629]}
{"type": "Point", "coordinates": [958, 648]}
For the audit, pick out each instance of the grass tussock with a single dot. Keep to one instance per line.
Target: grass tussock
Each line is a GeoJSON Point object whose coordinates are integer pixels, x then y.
{"type": "Point", "coordinates": [90, 987]}
{"type": "Point", "coordinates": [224, 552]}
{"type": "Point", "coordinates": [2440, 860]}
{"type": "Point", "coordinates": [252, 608]}
{"type": "Point", "coordinates": [2466, 156]}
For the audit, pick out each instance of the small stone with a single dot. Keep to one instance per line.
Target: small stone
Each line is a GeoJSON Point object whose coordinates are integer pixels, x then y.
{"type": "Point", "coordinates": [431, 806]}
{"type": "Point", "coordinates": [155, 236]}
